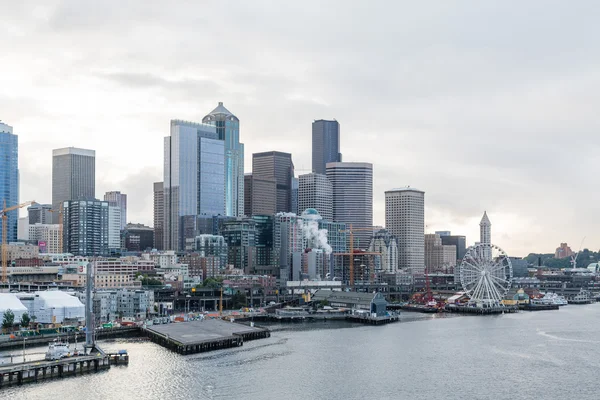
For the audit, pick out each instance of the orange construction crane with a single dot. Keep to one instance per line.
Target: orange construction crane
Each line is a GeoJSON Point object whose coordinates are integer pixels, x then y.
{"type": "Point", "coordinates": [351, 231]}
{"type": "Point", "coordinates": [60, 212]}
{"type": "Point", "coordinates": [4, 229]}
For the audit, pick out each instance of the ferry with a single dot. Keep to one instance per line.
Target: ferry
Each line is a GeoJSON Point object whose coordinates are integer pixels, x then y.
{"type": "Point", "coordinates": [553, 298]}
{"type": "Point", "coordinates": [583, 297]}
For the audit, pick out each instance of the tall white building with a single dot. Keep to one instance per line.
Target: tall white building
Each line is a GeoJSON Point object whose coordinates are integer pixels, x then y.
{"type": "Point", "coordinates": [316, 191]}
{"type": "Point", "coordinates": [118, 199]}
{"type": "Point", "coordinates": [114, 227]}
{"type": "Point", "coordinates": [352, 184]}
{"type": "Point", "coordinates": [485, 235]}
{"type": "Point", "coordinates": [387, 246]}
{"type": "Point", "coordinates": [405, 219]}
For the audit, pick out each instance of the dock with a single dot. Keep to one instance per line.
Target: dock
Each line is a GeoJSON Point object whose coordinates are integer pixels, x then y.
{"type": "Point", "coordinates": [538, 307]}
{"type": "Point", "coordinates": [482, 310]}
{"type": "Point", "coordinates": [36, 371]}
{"type": "Point", "coordinates": [201, 336]}
{"type": "Point", "coordinates": [370, 320]}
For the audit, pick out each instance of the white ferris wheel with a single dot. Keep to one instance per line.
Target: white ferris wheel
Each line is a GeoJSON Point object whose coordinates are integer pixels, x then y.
{"type": "Point", "coordinates": [485, 274]}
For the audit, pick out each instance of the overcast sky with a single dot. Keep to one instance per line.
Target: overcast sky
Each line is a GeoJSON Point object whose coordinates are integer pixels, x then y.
{"type": "Point", "coordinates": [484, 105]}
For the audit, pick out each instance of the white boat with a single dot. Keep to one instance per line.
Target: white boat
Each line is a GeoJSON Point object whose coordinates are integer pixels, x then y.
{"type": "Point", "coordinates": [553, 298]}
{"type": "Point", "coordinates": [57, 349]}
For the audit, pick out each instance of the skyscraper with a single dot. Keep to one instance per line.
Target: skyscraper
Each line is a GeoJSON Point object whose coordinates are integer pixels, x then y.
{"type": "Point", "coordinates": [118, 199]}
{"type": "Point", "coordinates": [228, 130]}
{"type": "Point", "coordinates": [352, 184]}
{"type": "Point", "coordinates": [73, 176]}
{"type": "Point", "coordinates": [9, 178]}
{"type": "Point", "coordinates": [485, 235]}
{"type": "Point", "coordinates": [194, 176]}
{"type": "Point", "coordinates": [405, 219]}
{"type": "Point", "coordinates": [316, 191]}
{"type": "Point", "coordinates": [260, 195]}
{"type": "Point", "coordinates": [325, 144]}
{"type": "Point", "coordinates": [39, 214]}
{"type": "Point", "coordinates": [159, 214]}
{"type": "Point", "coordinates": [277, 165]}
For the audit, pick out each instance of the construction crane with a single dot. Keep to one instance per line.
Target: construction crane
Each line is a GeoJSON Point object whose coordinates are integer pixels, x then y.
{"type": "Point", "coordinates": [351, 231]}
{"type": "Point", "coordinates": [60, 212]}
{"type": "Point", "coordinates": [574, 257]}
{"type": "Point", "coordinates": [4, 211]}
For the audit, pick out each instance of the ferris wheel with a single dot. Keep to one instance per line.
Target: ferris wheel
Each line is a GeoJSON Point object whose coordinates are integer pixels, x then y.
{"type": "Point", "coordinates": [485, 274]}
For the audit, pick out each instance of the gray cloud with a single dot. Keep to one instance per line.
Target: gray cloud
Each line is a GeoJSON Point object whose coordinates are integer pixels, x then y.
{"type": "Point", "coordinates": [488, 105]}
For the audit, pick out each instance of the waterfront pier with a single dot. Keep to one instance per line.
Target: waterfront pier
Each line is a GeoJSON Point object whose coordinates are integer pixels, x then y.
{"type": "Point", "coordinates": [201, 336]}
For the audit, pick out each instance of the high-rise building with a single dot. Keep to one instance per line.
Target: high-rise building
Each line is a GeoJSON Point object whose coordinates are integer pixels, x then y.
{"type": "Point", "coordinates": [386, 245]}
{"type": "Point", "coordinates": [9, 178]}
{"type": "Point", "coordinates": [260, 195]}
{"type": "Point", "coordinates": [118, 199]}
{"type": "Point", "coordinates": [459, 241]}
{"type": "Point", "coordinates": [85, 227]}
{"type": "Point", "coordinates": [325, 145]}
{"type": "Point", "coordinates": [295, 192]}
{"type": "Point", "coordinates": [114, 228]}
{"type": "Point", "coordinates": [279, 166]}
{"type": "Point", "coordinates": [47, 237]}
{"type": "Point", "coordinates": [405, 219]}
{"type": "Point", "coordinates": [485, 235]}
{"type": "Point", "coordinates": [240, 236]}
{"type": "Point", "coordinates": [438, 257]}
{"type": "Point", "coordinates": [194, 176]}
{"type": "Point", "coordinates": [352, 184]}
{"type": "Point", "coordinates": [159, 215]}
{"type": "Point", "coordinates": [563, 251]}
{"type": "Point", "coordinates": [228, 130]}
{"type": "Point", "coordinates": [212, 245]}
{"type": "Point", "coordinates": [40, 214]}
{"type": "Point", "coordinates": [73, 176]}
{"type": "Point", "coordinates": [137, 237]}
{"type": "Point", "coordinates": [316, 191]}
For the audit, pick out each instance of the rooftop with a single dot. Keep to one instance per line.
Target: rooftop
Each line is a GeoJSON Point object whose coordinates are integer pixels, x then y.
{"type": "Point", "coordinates": [404, 189]}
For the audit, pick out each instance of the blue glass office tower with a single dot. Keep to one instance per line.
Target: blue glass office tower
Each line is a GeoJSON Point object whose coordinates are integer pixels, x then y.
{"type": "Point", "coordinates": [9, 178]}
{"type": "Point", "coordinates": [194, 177]}
{"type": "Point", "coordinates": [325, 145]}
{"type": "Point", "coordinates": [228, 130]}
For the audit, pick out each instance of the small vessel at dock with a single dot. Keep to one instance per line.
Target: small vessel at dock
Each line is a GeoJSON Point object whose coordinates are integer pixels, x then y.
{"type": "Point", "coordinates": [57, 350]}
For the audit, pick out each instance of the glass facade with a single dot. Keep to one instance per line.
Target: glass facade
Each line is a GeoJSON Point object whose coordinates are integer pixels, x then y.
{"type": "Point", "coordinates": [228, 129]}
{"type": "Point", "coordinates": [86, 227]}
{"type": "Point", "coordinates": [9, 178]}
{"type": "Point", "coordinates": [193, 176]}
{"type": "Point", "coordinates": [325, 144]}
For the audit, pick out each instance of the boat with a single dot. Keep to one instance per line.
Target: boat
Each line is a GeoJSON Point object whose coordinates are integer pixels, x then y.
{"type": "Point", "coordinates": [551, 298]}
{"type": "Point", "coordinates": [57, 350]}
{"type": "Point", "coordinates": [583, 297]}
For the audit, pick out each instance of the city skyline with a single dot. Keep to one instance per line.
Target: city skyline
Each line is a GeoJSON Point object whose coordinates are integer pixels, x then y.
{"type": "Point", "coordinates": [438, 125]}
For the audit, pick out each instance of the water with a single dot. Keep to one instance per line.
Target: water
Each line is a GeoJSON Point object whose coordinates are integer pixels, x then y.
{"type": "Point", "coordinates": [535, 355]}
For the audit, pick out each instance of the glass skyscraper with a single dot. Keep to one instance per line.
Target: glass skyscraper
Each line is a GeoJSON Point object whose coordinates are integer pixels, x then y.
{"type": "Point", "coordinates": [228, 130]}
{"type": "Point", "coordinates": [194, 176]}
{"type": "Point", "coordinates": [325, 145]}
{"type": "Point", "coordinates": [9, 178]}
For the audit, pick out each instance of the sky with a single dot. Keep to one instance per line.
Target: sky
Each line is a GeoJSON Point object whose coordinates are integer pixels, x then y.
{"type": "Point", "coordinates": [483, 105]}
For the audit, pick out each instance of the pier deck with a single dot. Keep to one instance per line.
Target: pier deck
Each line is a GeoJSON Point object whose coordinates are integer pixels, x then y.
{"type": "Point", "coordinates": [200, 336]}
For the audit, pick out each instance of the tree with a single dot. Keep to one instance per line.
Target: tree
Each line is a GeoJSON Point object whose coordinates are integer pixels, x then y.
{"type": "Point", "coordinates": [239, 300]}
{"type": "Point", "coordinates": [25, 320]}
{"type": "Point", "coordinates": [213, 283]}
{"type": "Point", "coordinates": [9, 319]}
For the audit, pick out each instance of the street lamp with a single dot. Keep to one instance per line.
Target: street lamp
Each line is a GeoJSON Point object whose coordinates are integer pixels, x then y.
{"type": "Point", "coordinates": [24, 339]}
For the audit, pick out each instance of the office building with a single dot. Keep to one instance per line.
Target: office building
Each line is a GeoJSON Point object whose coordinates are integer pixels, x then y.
{"type": "Point", "coordinates": [279, 166]}
{"type": "Point", "coordinates": [40, 214]}
{"type": "Point", "coordinates": [260, 195]}
{"type": "Point", "coordinates": [9, 179]}
{"type": "Point", "coordinates": [295, 192]}
{"type": "Point", "coordinates": [459, 241]}
{"type": "Point", "coordinates": [194, 176]}
{"type": "Point", "coordinates": [48, 237]}
{"type": "Point", "coordinates": [73, 177]}
{"type": "Point", "coordinates": [159, 214]}
{"type": "Point", "coordinates": [118, 199]}
{"type": "Point", "coordinates": [114, 228]}
{"type": "Point", "coordinates": [325, 145]}
{"type": "Point", "coordinates": [405, 219]}
{"type": "Point", "coordinates": [240, 236]}
{"type": "Point", "coordinates": [137, 237]}
{"type": "Point", "coordinates": [228, 130]}
{"type": "Point", "coordinates": [386, 245]}
{"type": "Point", "coordinates": [352, 184]}
{"type": "Point", "coordinates": [85, 227]}
{"type": "Point", "coordinates": [316, 191]}
{"type": "Point", "coordinates": [438, 257]}
{"type": "Point", "coordinates": [212, 245]}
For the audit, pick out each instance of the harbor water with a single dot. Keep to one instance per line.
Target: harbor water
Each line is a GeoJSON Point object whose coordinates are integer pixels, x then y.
{"type": "Point", "coordinates": [529, 355]}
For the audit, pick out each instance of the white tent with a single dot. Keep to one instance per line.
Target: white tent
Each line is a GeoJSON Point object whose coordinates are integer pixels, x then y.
{"type": "Point", "coordinates": [54, 306]}
{"type": "Point", "coordinates": [9, 301]}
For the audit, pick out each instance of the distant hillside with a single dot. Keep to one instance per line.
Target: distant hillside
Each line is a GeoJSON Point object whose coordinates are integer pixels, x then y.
{"type": "Point", "coordinates": [583, 260]}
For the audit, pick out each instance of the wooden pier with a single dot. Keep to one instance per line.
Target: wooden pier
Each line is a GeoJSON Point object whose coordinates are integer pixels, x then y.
{"type": "Point", "coordinates": [369, 320]}
{"type": "Point", "coordinates": [201, 336]}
